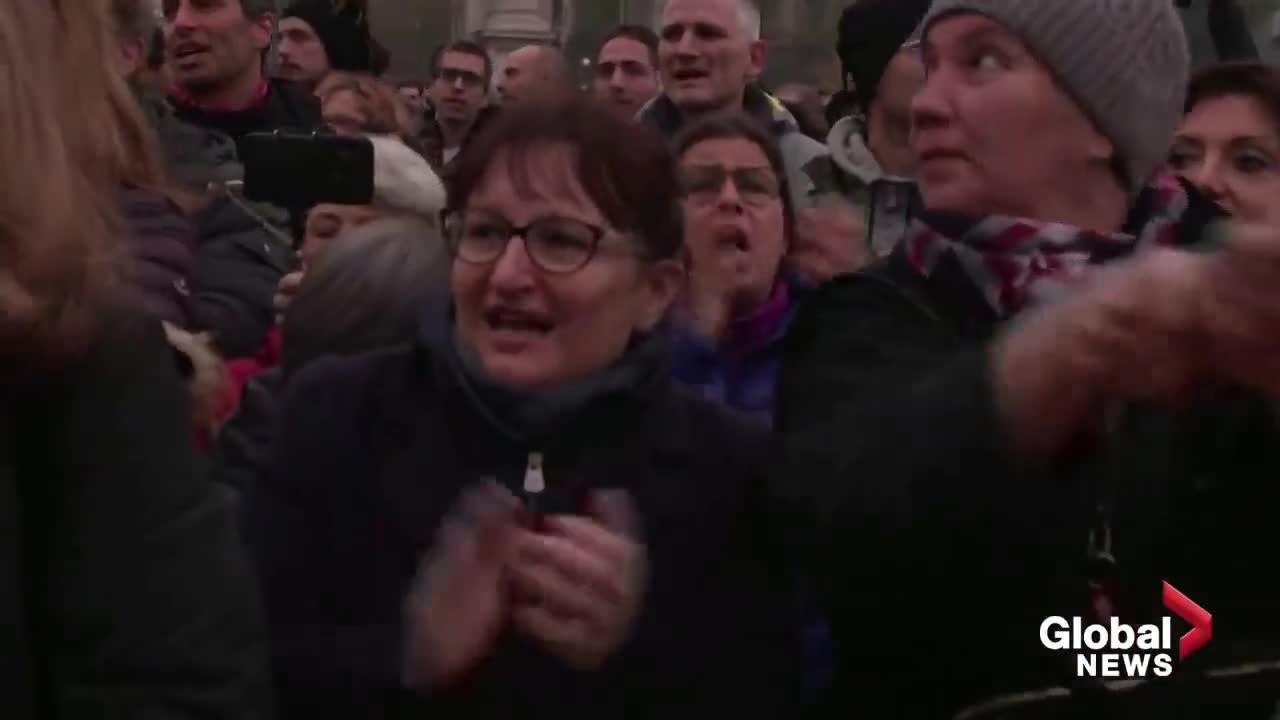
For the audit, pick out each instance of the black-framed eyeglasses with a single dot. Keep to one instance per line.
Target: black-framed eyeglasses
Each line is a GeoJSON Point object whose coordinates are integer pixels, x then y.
{"type": "Point", "coordinates": [555, 245]}
{"type": "Point", "coordinates": [755, 185]}
{"type": "Point", "coordinates": [454, 75]}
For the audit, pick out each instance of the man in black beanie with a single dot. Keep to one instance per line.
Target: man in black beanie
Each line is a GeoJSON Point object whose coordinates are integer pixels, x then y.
{"type": "Point", "coordinates": [870, 148]}
{"type": "Point", "coordinates": [319, 36]}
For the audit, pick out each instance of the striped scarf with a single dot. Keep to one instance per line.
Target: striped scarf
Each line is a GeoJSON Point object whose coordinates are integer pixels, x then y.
{"type": "Point", "coordinates": [1019, 262]}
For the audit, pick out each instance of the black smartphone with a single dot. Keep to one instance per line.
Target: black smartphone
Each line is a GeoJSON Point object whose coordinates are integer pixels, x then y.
{"type": "Point", "coordinates": [296, 170]}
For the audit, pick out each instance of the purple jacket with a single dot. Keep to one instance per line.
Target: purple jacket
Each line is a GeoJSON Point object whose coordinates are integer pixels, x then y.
{"type": "Point", "coordinates": [161, 243]}
{"type": "Point", "coordinates": [740, 372]}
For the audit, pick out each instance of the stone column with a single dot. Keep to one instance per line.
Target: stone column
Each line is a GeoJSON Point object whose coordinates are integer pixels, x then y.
{"type": "Point", "coordinates": [504, 25]}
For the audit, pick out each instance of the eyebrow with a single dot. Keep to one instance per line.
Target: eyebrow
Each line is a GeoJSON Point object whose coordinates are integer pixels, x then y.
{"type": "Point", "coordinates": [985, 33]}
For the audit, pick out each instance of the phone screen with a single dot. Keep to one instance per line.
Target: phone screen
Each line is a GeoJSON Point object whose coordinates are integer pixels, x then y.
{"type": "Point", "coordinates": [297, 170]}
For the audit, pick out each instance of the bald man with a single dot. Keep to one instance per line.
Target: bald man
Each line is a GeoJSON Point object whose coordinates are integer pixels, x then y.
{"type": "Point", "coordinates": [531, 71]}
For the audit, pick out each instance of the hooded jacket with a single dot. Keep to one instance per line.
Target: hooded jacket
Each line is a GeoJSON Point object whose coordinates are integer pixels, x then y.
{"type": "Point", "coordinates": [374, 451]}
{"type": "Point", "coordinates": [888, 202]}
{"type": "Point", "coordinates": [803, 156]}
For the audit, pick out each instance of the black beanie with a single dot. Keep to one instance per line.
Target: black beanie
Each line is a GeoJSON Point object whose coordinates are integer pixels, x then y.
{"type": "Point", "coordinates": [342, 28]}
{"type": "Point", "coordinates": [871, 32]}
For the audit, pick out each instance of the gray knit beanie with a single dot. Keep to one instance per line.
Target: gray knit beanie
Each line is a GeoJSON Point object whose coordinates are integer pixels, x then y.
{"type": "Point", "coordinates": [1124, 62]}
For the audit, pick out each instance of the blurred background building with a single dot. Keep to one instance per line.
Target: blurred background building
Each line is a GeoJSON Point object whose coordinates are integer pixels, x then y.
{"type": "Point", "coordinates": [801, 33]}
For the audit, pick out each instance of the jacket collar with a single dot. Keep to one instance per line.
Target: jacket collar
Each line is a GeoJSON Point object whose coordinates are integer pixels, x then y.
{"type": "Point", "coordinates": [662, 113]}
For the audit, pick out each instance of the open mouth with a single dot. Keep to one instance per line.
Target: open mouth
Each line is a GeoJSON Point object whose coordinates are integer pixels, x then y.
{"type": "Point", "coordinates": [187, 50]}
{"type": "Point", "coordinates": [688, 75]}
{"type": "Point", "coordinates": [935, 153]}
{"type": "Point", "coordinates": [512, 320]}
{"type": "Point", "coordinates": [732, 238]}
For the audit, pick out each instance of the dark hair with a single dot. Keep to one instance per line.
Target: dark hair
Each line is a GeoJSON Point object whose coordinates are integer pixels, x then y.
{"type": "Point", "coordinates": [257, 8]}
{"type": "Point", "coordinates": [640, 34]}
{"type": "Point", "coordinates": [366, 291]}
{"type": "Point", "coordinates": [466, 47]}
{"type": "Point", "coordinates": [1256, 80]}
{"type": "Point", "coordinates": [626, 168]}
{"type": "Point", "coordinates": [740, 126]}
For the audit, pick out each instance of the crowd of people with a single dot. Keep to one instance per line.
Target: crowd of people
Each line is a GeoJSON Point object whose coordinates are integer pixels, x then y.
{"type": "Point", "coordinates": [671, 394]}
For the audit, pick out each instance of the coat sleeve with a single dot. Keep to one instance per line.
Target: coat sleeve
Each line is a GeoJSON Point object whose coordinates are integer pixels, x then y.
{"type": "Point", "coordinates": [146, 601]}
{"type": "Point", "coordinates": [892, 467]}
{"type": "Point", "coordinates": [161, 241]}
{"type": "Point", "coordinates": [238, 267]}
{"type": "Point", "coordinates": [328, 659]}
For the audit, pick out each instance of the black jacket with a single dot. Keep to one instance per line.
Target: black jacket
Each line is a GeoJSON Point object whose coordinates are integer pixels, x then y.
{"type": "Point", "coordinates": [239, 258]}
{"type": "Point", "coordinates": [161, 240]}
{"type": "Point", "coordinates": [124, 589]}
{"type": "Point", "coordinates": [239, 263]}
{"type": "Point", "coordinates": [287, 106]}
{"type": "Point", "coordinates": [938, 551]}
{"type": "Point", "coordinates": [374, 451]}
{"type": "Point", "coordinates": [244, 442]}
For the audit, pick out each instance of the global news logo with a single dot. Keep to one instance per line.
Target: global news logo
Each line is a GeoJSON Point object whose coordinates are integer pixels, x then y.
{"type": "Point", "coordinates": [1117, 650]}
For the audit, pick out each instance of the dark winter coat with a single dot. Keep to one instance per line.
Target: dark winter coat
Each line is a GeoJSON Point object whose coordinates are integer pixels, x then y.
{"type": "Point", "coordinates": [240, 258]}
{"type": "Point", "coordinates": [240, 263]}
{"type": "Point", "coordinates": [938, 551]}
{"type": "Point", "coordinates": [124, 589]}
{"type": "Point", "coordinates": [161, 240]}
{"type": "Point", "coordinates": [374, 451]}
{"type": "Point", "coordinates": [287, 106]}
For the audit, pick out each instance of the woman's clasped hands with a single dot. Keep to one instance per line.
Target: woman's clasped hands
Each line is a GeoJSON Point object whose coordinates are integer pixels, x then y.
{"type": "Point", "coordinates": [574, 586]}
{"type": "Point", "coordinates": [1151, 329]}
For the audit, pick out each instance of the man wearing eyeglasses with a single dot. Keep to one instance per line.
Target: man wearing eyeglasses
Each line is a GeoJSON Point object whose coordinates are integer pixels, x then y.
{"type": "Point", "coordinates": [461, 71]}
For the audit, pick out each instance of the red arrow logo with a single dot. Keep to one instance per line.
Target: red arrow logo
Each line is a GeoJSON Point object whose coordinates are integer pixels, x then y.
{"type": "Point", "coordinates": [1201, 621]}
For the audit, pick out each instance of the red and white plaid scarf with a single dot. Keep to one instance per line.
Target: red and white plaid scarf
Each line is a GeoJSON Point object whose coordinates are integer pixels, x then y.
{"type": "Point", "coordinates": [1016, 262]}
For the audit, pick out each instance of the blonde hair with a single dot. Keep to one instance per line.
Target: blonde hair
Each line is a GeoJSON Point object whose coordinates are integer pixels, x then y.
{"type": "Point", "coordinates": [377, 100]}
{"type": "Point", "coordinates": [110, 130]}
{"type": "Point", "coordinates": [57, 220]}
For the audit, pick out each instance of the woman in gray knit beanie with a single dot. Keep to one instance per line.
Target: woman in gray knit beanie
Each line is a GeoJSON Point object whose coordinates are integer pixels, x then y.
{"type": "Point", "coordinates": [1021, 415]}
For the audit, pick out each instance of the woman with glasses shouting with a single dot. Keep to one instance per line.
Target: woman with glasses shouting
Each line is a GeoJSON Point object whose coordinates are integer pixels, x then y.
{"type": "Point", "coordinates": [738, 229]}
{"type": "Point", "coordinates": [521, 512]}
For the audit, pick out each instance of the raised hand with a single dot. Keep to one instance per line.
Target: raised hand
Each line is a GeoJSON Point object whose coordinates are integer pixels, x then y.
{"type": "Point", "coordinates": [580, 584]}
{"type": "Point", "coordinates": [1241, 307]}
{"type": "Point", "coordinates": [1135, 333]}
{"type": "Point", "coordinates": [830, 240]}
{"type": "Point", "coordinates": [458, 606]}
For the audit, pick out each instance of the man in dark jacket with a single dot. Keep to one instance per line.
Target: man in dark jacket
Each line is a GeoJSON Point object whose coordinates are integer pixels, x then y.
{"type": "Point", "coordinates": [215, 53]}
{"type": "Point", "coordinates": [702, 76]}
{"type": "Point", "coordinates": [215, 57]}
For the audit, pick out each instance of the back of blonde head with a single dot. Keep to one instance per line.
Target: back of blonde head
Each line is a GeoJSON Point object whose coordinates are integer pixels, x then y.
{"type": "Point", "coordinates": [56, 219]}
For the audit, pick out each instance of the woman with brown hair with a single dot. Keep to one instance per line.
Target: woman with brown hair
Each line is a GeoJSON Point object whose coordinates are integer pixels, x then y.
{"type": "Point", "coordinates": [122, 589]}
{"type": "Point", "coordinates": [1229, 142]}
{"type": "Point", "coordinates": [355, 104]}
{"type": "Point", "coordinates": [587, 539]}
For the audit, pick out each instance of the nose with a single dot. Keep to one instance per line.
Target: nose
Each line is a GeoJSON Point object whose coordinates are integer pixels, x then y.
{"type": "Point", "coordinates": [617, 79]}
{"type": "Point", "coordinates": [513, 270]}
{"type": "Point", "coordinates": [931, 105]}
{"type": "Point", "coordinates": [686, 45]}
{"type": "Point", "coordinates": [458, 83]}
{"type": "Point", "coordinates": [729, 199]}
{"type": "Point", "coordinates": [1210, 178]}
{"type": "Point", "coordinates": [183, 17]}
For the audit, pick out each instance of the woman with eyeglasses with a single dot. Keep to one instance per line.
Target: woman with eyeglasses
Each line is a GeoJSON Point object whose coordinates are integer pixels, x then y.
{"type": "Point", "coordinates": [739, 298]}
{"type": "Point", "coordinates": [520, 512]}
